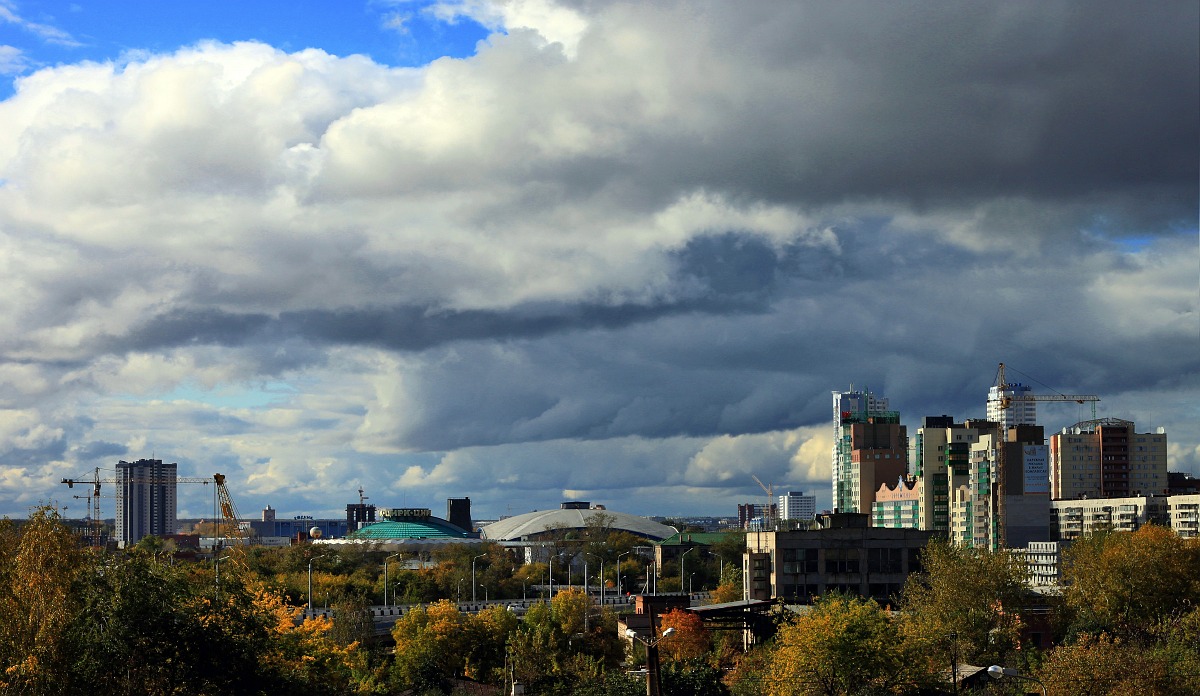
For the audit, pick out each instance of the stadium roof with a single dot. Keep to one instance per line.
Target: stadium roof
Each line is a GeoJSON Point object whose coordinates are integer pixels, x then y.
{"type": "Point", "coordinates": [410, 528]}
{"type": "Point", "coordinates": [533, 524]}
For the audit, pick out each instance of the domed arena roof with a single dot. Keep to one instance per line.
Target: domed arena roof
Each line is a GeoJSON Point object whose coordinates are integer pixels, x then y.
{"type": "Point", "coordinates": [531, 525]}
{"type": "Point", "coordinates": [410, 528]}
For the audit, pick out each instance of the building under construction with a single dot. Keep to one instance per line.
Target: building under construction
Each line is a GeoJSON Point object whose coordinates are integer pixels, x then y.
{"type": "Point", "coordinates": [146, 502]}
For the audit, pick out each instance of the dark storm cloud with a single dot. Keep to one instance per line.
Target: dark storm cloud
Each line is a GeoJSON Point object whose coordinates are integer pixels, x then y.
{"type": "Point", "coordinates": [404, 328]}
{"type": "Point", "coordinates": [727, 273]}
{"type": "Point", "coordinates": [932, 103]}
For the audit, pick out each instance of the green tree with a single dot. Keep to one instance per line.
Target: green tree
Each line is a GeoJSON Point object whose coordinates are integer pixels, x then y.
{"type": "Point", "coordinates": [487, 638]}
{"type": "Point", "coordinates": [536, 649]}
{"type": "Point", "coordinates": [966, 601]}
{"type": "Point", "coordinates": [693, 677]}
{"type": "Point", "coordinates": [1108, 666]}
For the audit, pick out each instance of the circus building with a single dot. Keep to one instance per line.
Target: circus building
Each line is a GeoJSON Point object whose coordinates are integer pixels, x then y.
{"type": "Point", "coordinates": [416, 527]}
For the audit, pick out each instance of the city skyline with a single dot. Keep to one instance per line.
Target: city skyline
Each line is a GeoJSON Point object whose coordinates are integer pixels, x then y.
{"type": "Point", "coordinates": [531, 252]}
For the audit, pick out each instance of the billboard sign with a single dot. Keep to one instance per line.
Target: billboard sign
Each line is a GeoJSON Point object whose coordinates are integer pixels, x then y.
{"type": "Point", "coordinates": [1037, 468]}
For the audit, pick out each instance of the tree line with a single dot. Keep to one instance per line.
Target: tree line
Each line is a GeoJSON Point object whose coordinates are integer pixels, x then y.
{"type": "Point", "coordinates": [74, 621]}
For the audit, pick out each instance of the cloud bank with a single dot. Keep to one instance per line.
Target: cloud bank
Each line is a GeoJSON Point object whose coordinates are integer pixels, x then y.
{"type": "Point", "coordinates": [623, 252]}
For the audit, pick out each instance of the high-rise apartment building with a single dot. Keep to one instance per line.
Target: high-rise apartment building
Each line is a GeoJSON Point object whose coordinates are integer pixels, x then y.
{"type": "Point", "coordinates": [794, 505]}
{"type": "Point", "coordinates": [145, 500]}
{"type": "Point", "coordinates": [940, 460]}
{"type": "Point", "coordinates": [1106, 458]}
{"type": "Point", "coordinates": [870, 447]}
{"type": "Point", "coordinates": [975, 508]}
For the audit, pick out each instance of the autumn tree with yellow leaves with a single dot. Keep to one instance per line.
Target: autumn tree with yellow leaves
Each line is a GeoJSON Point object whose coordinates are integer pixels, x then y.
{"type": "Point", "coordinates": [1126, 583]}
{"type": "Point", "coordinates": [83, 622]}
{"type": "Point", "coordinates": [844, 645]}
{"type": "Point", "coordinates": [39, 565]}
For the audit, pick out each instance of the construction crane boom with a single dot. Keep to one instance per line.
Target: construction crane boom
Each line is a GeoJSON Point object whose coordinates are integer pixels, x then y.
{"type": "Point", "coordinates": [768, 518]}
{"type": "Point", "coordinates": [1007, 397]}
{"type": "Point", "coordinates": [229, 514]}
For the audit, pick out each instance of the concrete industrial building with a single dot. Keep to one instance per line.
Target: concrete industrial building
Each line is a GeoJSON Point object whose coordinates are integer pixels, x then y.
{"type": "Point", "coordinates": [1044, 560]}
{"type": "Point", "coordinates": [870, 448]}
{"type": "Point", "coordinates": [844, 554]}
{"type": "Point", "coordinates": [1107, 458]}
{"type": "Point", "coordinates": [1184, 513]}
{"type": "Point", "coordinates": [146, 502]}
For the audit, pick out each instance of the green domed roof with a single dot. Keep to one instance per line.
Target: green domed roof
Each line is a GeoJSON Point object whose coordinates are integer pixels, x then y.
{"type": "Point", "coordinates": [411, 528]}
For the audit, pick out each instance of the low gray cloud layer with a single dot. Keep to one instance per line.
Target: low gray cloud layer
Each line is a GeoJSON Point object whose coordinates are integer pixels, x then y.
{"type": "Point", "coordinates": [629, 267]}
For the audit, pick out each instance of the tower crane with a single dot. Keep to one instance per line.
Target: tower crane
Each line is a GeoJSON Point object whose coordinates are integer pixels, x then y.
{"type": "Point", "coordinates": [768, 516]}
{"type": "Point", "coordinates": [1007, 396]}
{"type": "Point", "coordinates": [94, 496]}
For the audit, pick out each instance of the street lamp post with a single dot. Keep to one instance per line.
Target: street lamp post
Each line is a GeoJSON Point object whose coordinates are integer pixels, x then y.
{"type": "Point", "coordinates": [473, 594]}
{"type": "Point", "coordinates": [601, 579]}
{"type": "Point", "coordinates": [385, 577]}
{"type": "Point", "coordinates": [653, 683]}
{"type": "Point", "coordinates": [310, 562]}
{"type": "Point", "coordinates": [649, 564]}
{"type": "Point", "coordinates": [217, 562]}
{"type": "Point", "coordinates": [998, 672]}
{"type": "Point", "coordinates": [720, 566]}
{"type": "Point", "coordinates": [681, 559]}
{"type": "Point", "coordinates": [620, 586]}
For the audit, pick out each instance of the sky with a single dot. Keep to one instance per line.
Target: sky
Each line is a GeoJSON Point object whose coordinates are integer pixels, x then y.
{"type": "Point", "coordinates": [536, 251]}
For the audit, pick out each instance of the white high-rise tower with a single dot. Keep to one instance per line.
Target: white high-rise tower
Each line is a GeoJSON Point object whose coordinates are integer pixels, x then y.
{"type": "Point", "coordinates": [1019, 411]}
